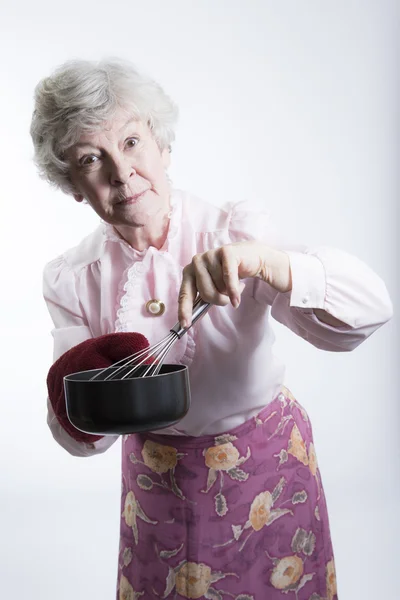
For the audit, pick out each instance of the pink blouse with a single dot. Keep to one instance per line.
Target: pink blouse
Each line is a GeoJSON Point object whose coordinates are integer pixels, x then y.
{"type": "Point", "coordinates": [102, 286]}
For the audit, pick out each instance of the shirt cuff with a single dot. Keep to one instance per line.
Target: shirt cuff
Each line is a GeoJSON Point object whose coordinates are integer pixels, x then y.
{"type": "Point", "coordinates": [308, 281]}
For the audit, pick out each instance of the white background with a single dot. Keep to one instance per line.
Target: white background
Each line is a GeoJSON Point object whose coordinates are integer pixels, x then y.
{"type": "Point", "coordinates": [293, 105]}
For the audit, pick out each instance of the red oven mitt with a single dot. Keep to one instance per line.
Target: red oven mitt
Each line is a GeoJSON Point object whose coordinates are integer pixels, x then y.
{"type": "Point", "coordinates": [95, 353]}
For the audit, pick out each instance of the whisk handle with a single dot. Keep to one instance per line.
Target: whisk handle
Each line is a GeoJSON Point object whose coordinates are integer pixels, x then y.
{"type": "Point", "coordinates": [199, 309]}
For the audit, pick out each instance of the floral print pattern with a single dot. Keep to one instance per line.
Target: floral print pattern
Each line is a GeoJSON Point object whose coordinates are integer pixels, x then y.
{"type": "Point", "coordinates": [312, 459]}
{"type": "Point", "coordinates": [296, 446]}
{"type": "Point", "coordinates": [126, 591]}
{"type": "Point", "coordinates": [196, 523]}
{"type": "Point", "coordinates": [193, 580]}
{"type": "Point", "coordinates": [260, 510]}
{"type": "Point", "coordinates": [223, 458]}
{"type": "Point", "coordinates": [331, 579]}
{"type": "Point", "coordinates": [261, 514]}
{"type": "Point", "coordinates": [159, 458]}
{"type": "Point", "coordinates": [287, 572]}
{"type": "Point", "coordinates": [133, 510]}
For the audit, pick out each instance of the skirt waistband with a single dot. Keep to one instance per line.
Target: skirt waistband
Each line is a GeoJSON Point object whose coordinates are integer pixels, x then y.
{"type": "Point", "coordinates": [242, 430]}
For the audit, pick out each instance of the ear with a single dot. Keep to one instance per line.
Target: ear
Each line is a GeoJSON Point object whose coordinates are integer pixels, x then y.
{"type": "Point", "coordinates": [79, 197]}
{"type": "Point", "coordinates": [166, 158]}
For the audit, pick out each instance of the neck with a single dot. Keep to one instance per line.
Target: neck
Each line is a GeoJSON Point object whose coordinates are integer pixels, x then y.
{"type": "Point", "coordinates": [141, 237]}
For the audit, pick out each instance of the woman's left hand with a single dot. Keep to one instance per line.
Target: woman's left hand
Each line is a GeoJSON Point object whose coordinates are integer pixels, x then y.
{"type": "Point", "coordinates": [216, 275]}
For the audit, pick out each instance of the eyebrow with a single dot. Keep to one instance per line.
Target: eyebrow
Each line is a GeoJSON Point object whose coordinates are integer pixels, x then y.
{"type": "Point", "coordinates": [129, 122]}
{"type": "Point", "coordinates": [88, 144]}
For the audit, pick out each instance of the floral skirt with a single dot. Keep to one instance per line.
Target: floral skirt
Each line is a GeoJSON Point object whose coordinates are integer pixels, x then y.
{"type": "Point", "coordinates": [241, 515]}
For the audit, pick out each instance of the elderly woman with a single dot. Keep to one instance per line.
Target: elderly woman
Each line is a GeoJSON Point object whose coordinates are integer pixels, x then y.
{"type": "Point", "coordinates": [229, 502]}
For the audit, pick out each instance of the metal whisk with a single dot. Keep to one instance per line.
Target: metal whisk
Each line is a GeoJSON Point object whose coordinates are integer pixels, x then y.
{"type": "Point", "coordinates": [148, 362]}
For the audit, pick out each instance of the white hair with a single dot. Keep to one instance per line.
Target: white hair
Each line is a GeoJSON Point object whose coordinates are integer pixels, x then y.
{"type": "Point", "coordinates": [81, 96]}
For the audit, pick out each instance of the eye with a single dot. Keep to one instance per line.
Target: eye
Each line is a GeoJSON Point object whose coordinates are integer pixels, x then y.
{"type": "Point", "coordinates": [88, 160]}
{"type": "Point", "coordinates": [131, 142]}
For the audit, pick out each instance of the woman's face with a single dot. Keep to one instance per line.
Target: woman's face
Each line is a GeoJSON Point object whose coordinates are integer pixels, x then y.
{"type": "Point", "coordinates": [121, 172]}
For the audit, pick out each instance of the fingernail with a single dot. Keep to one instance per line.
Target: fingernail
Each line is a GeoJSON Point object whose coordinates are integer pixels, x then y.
{"type": "Point", "coordinates": [184, 324]}
{"type": "Point", "coordinates": [235, 302]}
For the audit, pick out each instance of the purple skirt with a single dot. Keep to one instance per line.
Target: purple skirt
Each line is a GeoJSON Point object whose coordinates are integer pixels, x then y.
{"type": "Point", "coordinates": [240, 515]}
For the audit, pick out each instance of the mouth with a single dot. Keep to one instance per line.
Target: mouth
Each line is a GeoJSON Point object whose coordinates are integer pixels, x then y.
{"type": "Point", "coordinates": [130, 199]}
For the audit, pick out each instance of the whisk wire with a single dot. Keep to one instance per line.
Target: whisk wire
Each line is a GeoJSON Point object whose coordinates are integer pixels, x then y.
{"type": "Point", "coordinates": [161, 357]}
{"type": "Point", "coordinates": [157, 354]}
{"type": "Point", "coordinates": [153, 356]}
{"type": "Point", "coordinates": [123, 362]}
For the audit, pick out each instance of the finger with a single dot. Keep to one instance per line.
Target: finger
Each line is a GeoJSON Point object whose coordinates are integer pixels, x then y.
{"type": "Point", "coordinates": [230, 274]}
{"type": "Point", "coordinates": [209, 292]}
{"type": "Point", "coordinates": [187, 295]}
{"type": "Point", "coordinates": [208, 278]}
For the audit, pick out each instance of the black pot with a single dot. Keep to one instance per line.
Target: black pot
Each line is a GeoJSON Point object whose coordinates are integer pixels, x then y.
{"type": "Point", "coordinates": [124, 406]}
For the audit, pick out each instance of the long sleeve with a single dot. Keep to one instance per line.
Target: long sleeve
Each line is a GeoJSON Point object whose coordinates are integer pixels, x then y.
{"type": "Point", "coordinates": [323, 278]}
{"type": "Point", "coordinates": [70, 328]}
{"type": "Point", "coordinates": [341, 285]}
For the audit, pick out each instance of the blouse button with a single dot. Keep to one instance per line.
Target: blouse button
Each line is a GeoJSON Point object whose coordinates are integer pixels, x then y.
{"type": "Point", "coordinates": [305, 299]}
{"type": "Point", "coordinates": [155, 307]}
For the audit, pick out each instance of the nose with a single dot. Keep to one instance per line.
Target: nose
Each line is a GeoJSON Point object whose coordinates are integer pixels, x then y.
{"type": "Point", "coordinates": [121, 170]}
